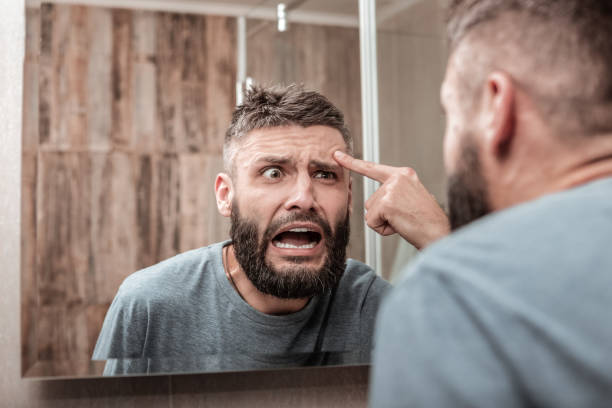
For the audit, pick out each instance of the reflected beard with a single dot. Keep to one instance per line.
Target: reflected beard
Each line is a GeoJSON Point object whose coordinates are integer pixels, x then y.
{"type": "Point", "coordinates": [467, 190]}
{"type": "Point", "coordinates": [296, 281]}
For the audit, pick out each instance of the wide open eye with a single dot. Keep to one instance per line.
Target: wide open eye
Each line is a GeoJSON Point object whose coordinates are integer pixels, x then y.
{"type": "Point", "coordinates": [272, 173]}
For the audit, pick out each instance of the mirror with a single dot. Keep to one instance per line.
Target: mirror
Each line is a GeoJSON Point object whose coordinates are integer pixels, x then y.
{"type": "Point", "coordinates": [124, 116]}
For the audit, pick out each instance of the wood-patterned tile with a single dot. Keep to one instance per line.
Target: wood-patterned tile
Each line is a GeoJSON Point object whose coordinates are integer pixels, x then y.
{"type": "Point", "coordinates": [113, 236]}
{"type": "Point", "coordinates": [144, 82]}
{"type": "Point", "coordinates": [146, 211]}
{"type": "Point", "coordinates": [29, 141]}
{"type": "Point", "coordinates": [63, 256]}
{"type": "Point", "coordinates": [170, 60]}
{"type": "Point", "coordinates": [167, 198]}
{"type": "Point", "coordinates": [144, 38]}
{"type": "Point", "coordinates": [194, 110]}
{"type": "Point", "coordinates": [100, 80]}
{"type": "Point", "coordinates": [63, 73]}
{"type": "Point", "coordinates": [29, 293]}
{"type": "Point", "coordinates": [63, 227]}
{"type": "Point", "coordinates": [122, 77]}
{"type": "Point", "coordinates": [200, 222]}
{"type": "Point", "coordinates": [62, 334]}
{"type": "Point", "coordinates": [263, 60]}
{"type": "Point", "coordinates": [195, 52]}
{"type": "Point", "coordinates": [220, 80]}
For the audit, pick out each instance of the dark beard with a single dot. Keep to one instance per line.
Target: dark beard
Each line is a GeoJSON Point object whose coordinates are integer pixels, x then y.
{"type": "Point", "coordinates": [467, 190]}
{"type": "Point", "coordinates": [293, 282]}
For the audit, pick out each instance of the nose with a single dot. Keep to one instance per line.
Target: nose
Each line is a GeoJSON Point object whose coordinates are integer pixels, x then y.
{"type": "Point", "coordinates": [301, 196]}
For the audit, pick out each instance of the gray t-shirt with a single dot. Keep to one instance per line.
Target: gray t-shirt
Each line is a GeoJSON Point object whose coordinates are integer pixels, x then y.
{"type": "Point", "coordinates": [513, 310]}
{"type": "Point", "coordinates": [183, 315]}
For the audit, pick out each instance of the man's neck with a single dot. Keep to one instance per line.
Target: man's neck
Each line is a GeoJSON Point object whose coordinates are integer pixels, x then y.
{"type": "Point", "coordinates": [555, 168]}
{"type": "Point", "coordinates": [596, 168]}
{"type": "Point", "coordinates": [261, 302]}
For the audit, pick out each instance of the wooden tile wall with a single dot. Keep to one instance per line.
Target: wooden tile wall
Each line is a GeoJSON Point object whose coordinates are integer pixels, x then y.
{"type": "Point", "coordinates": [120, 149]}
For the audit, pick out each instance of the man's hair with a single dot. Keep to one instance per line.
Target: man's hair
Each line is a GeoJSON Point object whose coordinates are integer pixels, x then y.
{"type": "Point", "coordinates": [558, 51]}
{"type": "Point", "coordinates": [267, 107]}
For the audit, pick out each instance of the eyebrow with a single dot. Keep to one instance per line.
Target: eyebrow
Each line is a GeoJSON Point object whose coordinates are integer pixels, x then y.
{"type": "Point", "coordinates": [325, 166]}
{"type": "Point", "coordinates": [282, 160]}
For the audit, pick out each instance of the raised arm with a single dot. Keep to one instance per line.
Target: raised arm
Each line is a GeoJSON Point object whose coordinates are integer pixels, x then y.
{"type": "Point", "coordinates": [401, 205]}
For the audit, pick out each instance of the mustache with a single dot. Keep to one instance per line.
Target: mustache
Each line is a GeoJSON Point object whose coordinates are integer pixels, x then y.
{"type": "Point", "coordinates": [311, 217]}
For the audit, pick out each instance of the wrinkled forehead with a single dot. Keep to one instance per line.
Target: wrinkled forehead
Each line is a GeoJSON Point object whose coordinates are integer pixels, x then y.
{"type": "Point", "coordinates": [296, 143]}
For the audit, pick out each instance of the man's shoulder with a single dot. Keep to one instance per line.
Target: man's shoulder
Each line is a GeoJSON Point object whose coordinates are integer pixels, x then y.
{"type": "Point", "coordinates": [361, 279]}
{"type": "Point", "coordinates": [173, 275]}
{"type": "Point", "coordinates": [523, 245]}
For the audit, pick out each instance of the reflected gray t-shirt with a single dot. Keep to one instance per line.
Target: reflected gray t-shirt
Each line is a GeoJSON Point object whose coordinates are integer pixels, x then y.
{"type": "Point", "coordinates": [514, 310]}
{"type": "Point", "coordinates": [183, 315]}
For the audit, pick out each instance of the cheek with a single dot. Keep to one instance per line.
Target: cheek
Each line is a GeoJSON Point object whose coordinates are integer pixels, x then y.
{"type": "Point", "coordinates": [452, 146]}
{"type": "Point", "coordinates": [334, 203]}
{"type": "Point", "coordinates": [450, 150]}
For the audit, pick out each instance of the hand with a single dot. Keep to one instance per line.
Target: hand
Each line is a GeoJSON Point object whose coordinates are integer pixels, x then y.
{"type": "Point", "coordinates": [401, 204]}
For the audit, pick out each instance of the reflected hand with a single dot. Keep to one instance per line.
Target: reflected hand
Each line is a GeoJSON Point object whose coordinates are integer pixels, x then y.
{"type": "Point", "coordinates": [401, 204]}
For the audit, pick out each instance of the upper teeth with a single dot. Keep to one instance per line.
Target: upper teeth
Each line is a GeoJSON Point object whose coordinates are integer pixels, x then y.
{"type": "Point", "coordinates": [299, 230]}
{"type": "Point", "coordinates": [284, 245]}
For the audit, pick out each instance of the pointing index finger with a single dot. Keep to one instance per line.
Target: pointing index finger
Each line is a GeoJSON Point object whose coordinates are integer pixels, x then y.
{"type": "Point", "coordinates": [375, 171]}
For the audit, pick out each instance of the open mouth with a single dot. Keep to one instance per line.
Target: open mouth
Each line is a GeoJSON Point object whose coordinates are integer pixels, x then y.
{"type": "Point", "coordinates": [297, 238]}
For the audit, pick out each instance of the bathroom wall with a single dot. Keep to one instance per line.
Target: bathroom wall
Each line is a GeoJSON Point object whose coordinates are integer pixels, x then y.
{"type": "Point", "coordinates": [124, 117]}
{"type": "Point", "coordinates": [411, 62]}
{"type": "Point", "coordinates": [337, 387]}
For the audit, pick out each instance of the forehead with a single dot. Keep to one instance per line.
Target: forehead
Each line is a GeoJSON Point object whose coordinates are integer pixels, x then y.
{"type": "Point", "coordinates": [295, 141]}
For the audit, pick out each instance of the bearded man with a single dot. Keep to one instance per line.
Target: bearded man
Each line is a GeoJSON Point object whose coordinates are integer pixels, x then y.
{"type": "Point", "coordinates": [512, 309]}
{"type": "Point", "coordinates": [280, 292]}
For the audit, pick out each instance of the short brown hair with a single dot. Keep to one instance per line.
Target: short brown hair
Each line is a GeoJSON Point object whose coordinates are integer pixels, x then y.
{"type": "Point", "coordinates": [563, 48]}
{"type": "Point", "coordinates": [266, 107]}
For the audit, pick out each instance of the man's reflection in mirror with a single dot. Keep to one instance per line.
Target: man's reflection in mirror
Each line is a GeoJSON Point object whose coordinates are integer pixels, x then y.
{"type": "Point", "coordinates": [280, 292]}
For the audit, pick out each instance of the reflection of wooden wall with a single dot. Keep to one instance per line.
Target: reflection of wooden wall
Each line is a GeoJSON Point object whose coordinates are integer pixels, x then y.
{"type": "Point", "coordinates": [124, 117]}
{"type": "Point", "coordinates": [323, 58]}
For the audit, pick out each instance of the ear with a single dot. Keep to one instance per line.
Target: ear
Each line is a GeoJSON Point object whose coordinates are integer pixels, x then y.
{"type": "Point", "coordinates": [499, 114]}
{"type": "Point", "coordinates": [224, 192]}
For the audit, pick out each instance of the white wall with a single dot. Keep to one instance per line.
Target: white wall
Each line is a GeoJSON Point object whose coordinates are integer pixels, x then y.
{"type": "Point", "coordinates": [411, 62]}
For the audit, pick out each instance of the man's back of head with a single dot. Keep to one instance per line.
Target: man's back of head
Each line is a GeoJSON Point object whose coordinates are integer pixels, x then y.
{"type": "Point", "coordinates": [558, 51]}
{"type": "Point", "coordinates": [528, 93]}
{"type": "Point", "coordinates": [508, 311]}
